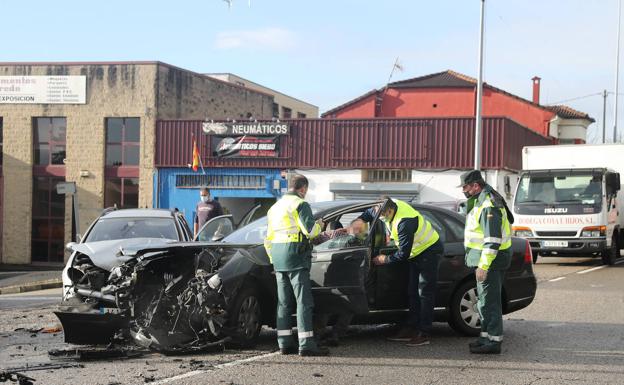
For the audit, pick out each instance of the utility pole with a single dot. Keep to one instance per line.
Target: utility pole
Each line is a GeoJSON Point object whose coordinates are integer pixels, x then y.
{"type": "Point", "coordinates": [479, 120]}
{"type": "Point", "coordinates": [617, 72]}
{"type": "Point", "coordinates": [604, 116]}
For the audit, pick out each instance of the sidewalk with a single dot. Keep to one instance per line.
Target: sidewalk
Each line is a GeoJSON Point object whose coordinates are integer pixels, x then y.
{"type": "Point", "coordinates": [20, 279]}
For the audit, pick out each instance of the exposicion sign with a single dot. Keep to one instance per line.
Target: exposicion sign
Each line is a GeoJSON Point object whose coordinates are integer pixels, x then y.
{"type": "Point", "coordinates": [43, 89]}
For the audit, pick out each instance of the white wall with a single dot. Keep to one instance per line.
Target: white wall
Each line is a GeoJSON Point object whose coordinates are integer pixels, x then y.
{"type": "Point", "coordinates": [319, 180]}
{"type": "Point", "coordinates": [437, 186]}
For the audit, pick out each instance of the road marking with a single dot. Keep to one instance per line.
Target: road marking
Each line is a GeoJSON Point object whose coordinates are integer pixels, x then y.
{"type": "Point", "coordinates": [590, 270]}
{"type": "Point", "coordinates": [220, 366]}
{"type": "Point", "coordinates": [556, 279]}
{"type": "Point", "coordinates": [26, 298]}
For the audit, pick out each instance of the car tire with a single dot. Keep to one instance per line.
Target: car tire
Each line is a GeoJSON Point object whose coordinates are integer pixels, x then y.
{"type": "Point", "coordinates": [246, 317]}
{"type": "Point", "coordinates": [535, 256]}
{"type": "Point", "coordinates": [610, 255]}
{"type": "Point", "coordinates": [463, 317]}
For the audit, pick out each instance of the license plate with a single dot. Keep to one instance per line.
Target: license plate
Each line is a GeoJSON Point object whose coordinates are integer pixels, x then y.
{"type": "Point", "coordinates": [555, 243]}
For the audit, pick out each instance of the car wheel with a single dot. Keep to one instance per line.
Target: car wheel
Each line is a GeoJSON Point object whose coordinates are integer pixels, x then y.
{"type": "Point", "coordinates": [246, 317]}
{"type": "Point", "coordinates": [611, 254]}
{"type": "Point", "coordinates": [464, 317]}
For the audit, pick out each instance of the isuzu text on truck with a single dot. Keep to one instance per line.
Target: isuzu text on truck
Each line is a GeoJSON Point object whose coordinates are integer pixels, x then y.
{"type": "Point", "coordinates": [568, 201]}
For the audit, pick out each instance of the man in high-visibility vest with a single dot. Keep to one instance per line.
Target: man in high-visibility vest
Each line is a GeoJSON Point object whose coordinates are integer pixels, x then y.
{"type": "Point", "coordinates": [418, 243]}
{"type": "Point", "coordinates": [290, 228]}
{"type": "Point", "coordinates": [487, 239]}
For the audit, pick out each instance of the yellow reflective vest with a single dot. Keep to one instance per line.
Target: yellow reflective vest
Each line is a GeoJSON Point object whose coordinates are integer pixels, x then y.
{"type": "Point", "coordinates": [424, 236]}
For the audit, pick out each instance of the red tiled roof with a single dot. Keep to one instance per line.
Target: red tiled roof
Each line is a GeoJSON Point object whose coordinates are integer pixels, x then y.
{"type": "Point", "coordinates": [452, 79]}
{"type": "Point", "coordinates": [350, 102]}
{"type": "Point", "coordinates": [569, 113]}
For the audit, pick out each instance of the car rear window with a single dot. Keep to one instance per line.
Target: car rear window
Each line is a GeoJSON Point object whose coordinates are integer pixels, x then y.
{"type": "Point", "coordinates": [107, 229]}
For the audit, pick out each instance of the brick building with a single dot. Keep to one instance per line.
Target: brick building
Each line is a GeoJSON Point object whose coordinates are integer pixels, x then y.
{"type": "Point", "coordinates": [93, 124]}
{"type": "Point", "coordinates": [449, 94]}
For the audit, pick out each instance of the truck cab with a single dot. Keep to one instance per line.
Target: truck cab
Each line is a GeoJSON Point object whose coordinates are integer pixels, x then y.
{"type": "Point", "coordinates": [569, 212]}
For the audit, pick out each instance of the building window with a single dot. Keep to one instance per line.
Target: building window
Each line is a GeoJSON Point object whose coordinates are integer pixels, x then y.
{"type": "Point", "coordinates": [48, 220]}
{"type": "Point", "coordinates": [386, 176]}
{"type": "Point", "coordinates": [301, 115]}
{"type": "Point", "coordinates": [276, 110]}
{"type": "Point", "coordinates": [49, 141]}
{"type": "Point", "coordinates": [122, 141]}
{"type": "Point", "coordinates": [122, 192]}
{"type": "Point", "coordinates": [286, 112]}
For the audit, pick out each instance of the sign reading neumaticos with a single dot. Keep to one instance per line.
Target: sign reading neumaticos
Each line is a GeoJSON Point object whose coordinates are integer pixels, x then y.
{"type": "Point", "coordinates": [245, 140]}
{"type": "Point", "coordinates": [236, 129]}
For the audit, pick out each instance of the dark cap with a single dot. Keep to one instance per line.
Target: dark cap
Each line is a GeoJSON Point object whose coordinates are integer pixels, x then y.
{"type": "Point", "coordinates": [472, 176]}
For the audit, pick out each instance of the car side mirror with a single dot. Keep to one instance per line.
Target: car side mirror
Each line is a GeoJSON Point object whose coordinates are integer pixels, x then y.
{"type": "Point", "coordinates": [70, 246]}
{"type": "Point", "coordinates": [613, 182]}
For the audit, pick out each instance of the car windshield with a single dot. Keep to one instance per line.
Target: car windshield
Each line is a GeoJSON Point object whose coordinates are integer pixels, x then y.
{"type": "Point", "coordinates": [253, 233]}
{"type": "Point", "coordinates": [553, 189]}
{"type": "Point", "coordinates": [107, 229]}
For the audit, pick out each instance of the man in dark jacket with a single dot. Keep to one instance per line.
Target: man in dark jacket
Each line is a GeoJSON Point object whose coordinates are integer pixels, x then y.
{"type": "Point", "coordinates": [206, 209]}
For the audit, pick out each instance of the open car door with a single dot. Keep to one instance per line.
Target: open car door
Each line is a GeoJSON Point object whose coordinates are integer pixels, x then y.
{"type": "Point", "coordinates": [340, 266]}
{"type": "Point", "coordinates": [249, 217]}
{"type": "Point", "coordinates": [215, 229]}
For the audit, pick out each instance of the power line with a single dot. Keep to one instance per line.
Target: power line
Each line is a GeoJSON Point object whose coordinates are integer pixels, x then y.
{"type": "Point", "coordinates": [577, 98]}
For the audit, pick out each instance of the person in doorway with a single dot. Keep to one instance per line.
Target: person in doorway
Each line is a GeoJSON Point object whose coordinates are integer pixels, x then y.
{"type": "Point", "coordinates": [418, 243]}
{"type": "Point", "coordinates": [290, 229]}
{"type": "Point", "coordinates": [206, 209]}
{"type": "Point", "coordinates": [487, 239]}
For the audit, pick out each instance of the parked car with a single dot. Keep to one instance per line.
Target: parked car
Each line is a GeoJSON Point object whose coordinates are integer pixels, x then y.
{"type": "Point", "coordinates": [112, 230]}
{"type": "Point", "coordinates": [183, 296]}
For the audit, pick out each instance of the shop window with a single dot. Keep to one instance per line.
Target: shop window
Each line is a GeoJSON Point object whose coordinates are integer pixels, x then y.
{"type": "Point", "coordinates": [386, 176]}
{"type": "Point", "coordinates": [301, 115]}
{"type": "Point", "coordinates": [49, 141]}
{"type": "Point", "coordinates": [122, 141]}
{"type": "Point", "coordinates": [121, 192]}
{"type": "Point", "coordinates": [48, 220]}
{"type": "Point", "coordinates": [286, 112]}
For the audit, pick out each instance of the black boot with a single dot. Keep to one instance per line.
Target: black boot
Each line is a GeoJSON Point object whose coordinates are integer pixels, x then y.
{"type": "Point", "coordinates": [489, 348]}
{"type": "Point", "coordinates": [318, 352]}
{"type": "Point", "coordinates": [478, 342]}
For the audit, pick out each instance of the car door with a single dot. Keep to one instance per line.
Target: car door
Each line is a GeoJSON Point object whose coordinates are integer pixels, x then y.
{"type": "Point", "coordinates": [215, 229]}
{"type": "Point", "coordinates": [249, 217]}
{"type": "Point", "coordinates": [340, 269]}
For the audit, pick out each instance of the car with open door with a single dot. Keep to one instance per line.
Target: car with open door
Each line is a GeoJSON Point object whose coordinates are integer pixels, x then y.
{"type": "Point", "coordinates": [187, 295]}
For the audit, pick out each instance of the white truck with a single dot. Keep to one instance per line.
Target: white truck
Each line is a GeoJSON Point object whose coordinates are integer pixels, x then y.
{"type": "Point", "coordinates": [568, 201]}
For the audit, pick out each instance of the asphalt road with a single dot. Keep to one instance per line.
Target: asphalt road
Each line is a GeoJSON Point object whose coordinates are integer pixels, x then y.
{"type": "Point", "coordinates": [30, 299]}
{"type": "Point", "coordinates": [572, 333]}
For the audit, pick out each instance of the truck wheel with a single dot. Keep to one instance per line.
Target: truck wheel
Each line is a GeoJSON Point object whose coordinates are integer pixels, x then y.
{"type": "Point", "coordinates": [612, 253]}
{"type": "Point", "coordinates": [464, 317]}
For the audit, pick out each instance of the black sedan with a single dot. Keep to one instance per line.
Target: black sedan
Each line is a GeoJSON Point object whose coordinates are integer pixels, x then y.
{"type": "Point", "coordinates": [190, 295]}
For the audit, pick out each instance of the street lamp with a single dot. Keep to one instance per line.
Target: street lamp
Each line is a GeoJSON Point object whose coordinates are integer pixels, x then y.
{"type": "Point", "coordinates": [479, 121]}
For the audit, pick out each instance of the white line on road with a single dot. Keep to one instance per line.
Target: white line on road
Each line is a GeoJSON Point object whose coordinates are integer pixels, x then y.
{"type": "Point", "coordinates": [590, 270]}
{"type": "Point", "coordinates": [556, 279]}
{"type": "Point", "coordinates": [3, 298]}
{"type": "Point", "coordinates": [220, 366]}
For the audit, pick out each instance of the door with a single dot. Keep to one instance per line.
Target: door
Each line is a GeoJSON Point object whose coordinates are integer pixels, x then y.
{"type": "Point", "coordinates": [341, 263]}
{"type": "Point", "coordinates": [215, 229]}
{"type": "Point", "coordinates": [249, 217]}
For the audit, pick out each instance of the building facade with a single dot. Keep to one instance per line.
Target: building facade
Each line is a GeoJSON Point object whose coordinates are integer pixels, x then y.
{"type": "Point", "coordinates": [93, 124]}
{"type": "Point", "coordinates": [284, 106]}
{"type": "Point", "coordinates": [450, 94]}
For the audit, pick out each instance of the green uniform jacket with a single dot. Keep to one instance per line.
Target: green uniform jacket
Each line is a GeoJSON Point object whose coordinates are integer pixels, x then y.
{"type": "Point", "coordinates": [491, 222]}
{"type": "Point", "coordinates": [295, 255]}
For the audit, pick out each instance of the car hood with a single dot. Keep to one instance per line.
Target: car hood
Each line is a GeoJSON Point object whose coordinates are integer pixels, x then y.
{"type": "Point", "coordinates": [108, 254]}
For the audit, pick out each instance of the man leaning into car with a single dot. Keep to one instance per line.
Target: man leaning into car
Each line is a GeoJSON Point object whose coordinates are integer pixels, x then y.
{"type": "Point", "coordinates": [290, 229]}
{"type": "Point", "coordinates": [419, 244]}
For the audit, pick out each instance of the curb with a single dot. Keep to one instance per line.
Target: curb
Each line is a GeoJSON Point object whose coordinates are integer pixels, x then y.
{"type": "Point", "coordinates": [32, 286]}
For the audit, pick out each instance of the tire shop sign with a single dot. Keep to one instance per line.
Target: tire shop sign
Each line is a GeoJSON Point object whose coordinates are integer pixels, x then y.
{"type": "Point", "coordinates": [245, 140]}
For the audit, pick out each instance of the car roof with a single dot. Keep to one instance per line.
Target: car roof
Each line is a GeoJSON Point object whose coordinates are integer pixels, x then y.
{"type": "Point", "coordinates": [323, 208]}
{"type": "Point", "coordinates": [138, 213]}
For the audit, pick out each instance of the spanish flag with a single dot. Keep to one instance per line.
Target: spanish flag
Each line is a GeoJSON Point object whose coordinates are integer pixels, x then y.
{"type": "Point", "coordinates": [195, 156]}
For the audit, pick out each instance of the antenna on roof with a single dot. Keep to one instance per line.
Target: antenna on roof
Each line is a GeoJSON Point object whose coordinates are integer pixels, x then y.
{"type": "Point", "coordinates": [396, 66]}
